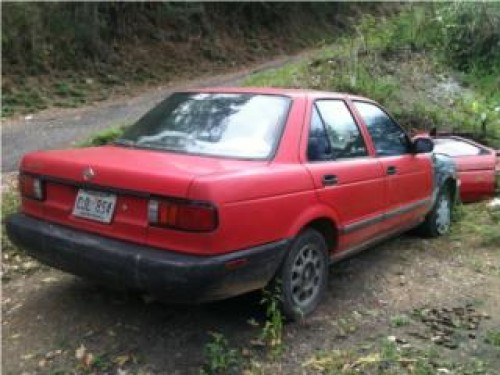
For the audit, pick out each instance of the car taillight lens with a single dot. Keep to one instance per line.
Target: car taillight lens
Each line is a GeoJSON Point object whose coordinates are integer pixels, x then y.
{"type": "Point", "coordinates": [31, 187]}
{"type": "Point", "coordinates": [189, 216]}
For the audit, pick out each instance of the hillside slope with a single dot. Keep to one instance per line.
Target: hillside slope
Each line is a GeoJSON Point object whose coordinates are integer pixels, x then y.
{"type": "Point", "coordinates": [67, 54]}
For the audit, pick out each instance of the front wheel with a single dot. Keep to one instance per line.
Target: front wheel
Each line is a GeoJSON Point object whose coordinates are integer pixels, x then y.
{"type": "Point", "coordinates": [438, 221]}
{"type": "Point", "coordinates": [303, 275]}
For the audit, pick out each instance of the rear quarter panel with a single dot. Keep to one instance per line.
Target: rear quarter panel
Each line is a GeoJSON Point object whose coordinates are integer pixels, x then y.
{"type": "Point", "coordinates": [259, 206]}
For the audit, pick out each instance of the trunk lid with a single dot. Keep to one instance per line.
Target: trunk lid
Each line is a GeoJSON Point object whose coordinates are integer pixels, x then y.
{"type": "Point", "coordinates": [137, 170]}
{"type": "Point", "coordinates": [132, 175]}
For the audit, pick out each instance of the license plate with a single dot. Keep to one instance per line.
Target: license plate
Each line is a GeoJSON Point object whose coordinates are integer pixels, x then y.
{"type": "Point", "coordinates": [95, 205]}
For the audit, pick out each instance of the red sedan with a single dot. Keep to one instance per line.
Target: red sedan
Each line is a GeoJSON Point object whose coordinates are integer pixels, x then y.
{"type": "Point", "coordinates": [478, 166]}
{"type": "Point", "coordinates": [218, 192]}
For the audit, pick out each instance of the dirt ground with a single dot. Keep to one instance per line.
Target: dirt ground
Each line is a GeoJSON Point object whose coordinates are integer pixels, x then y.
{"type": "Point", "coordinates": [53, 322]}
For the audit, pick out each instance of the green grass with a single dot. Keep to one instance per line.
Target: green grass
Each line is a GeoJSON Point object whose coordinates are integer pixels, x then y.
{"type": "Point", "coordinates": [400, 320]}
{"type": "Point", "coordinates": [493, 338]}
{"type": "Point", "coordinates": [219, 357]}
{"type": "Point", "coordinates": [479, 224]}
{"type": "Point", "coordinates": [104, 137]}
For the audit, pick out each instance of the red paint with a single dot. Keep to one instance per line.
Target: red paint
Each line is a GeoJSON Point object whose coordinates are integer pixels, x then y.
{"type": "Point", "coordinates": [256, 202]}
{"type": "Point", "coordinates": [477, 173]}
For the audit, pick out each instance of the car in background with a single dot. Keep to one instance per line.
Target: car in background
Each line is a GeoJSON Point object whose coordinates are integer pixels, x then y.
{"type": "Point", "coordinates": [217, 192]}
{"type": "Point", "coordinates": [478, 166]}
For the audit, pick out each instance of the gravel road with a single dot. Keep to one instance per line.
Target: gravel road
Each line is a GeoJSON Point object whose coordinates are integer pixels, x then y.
{"type": "Point", "coordinates": [59, 128]}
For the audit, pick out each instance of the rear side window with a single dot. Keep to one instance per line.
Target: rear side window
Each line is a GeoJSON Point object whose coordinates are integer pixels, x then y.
{"type": "Point", "coordinates": [389, 139]}
{"type": "Point", "coordinates": [334, 134]}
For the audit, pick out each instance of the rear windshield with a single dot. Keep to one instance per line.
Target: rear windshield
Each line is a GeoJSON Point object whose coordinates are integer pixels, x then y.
{"type": "Point", "coordinates": [229, 125]}
{"type": "Point", "coordinates": [454, 148]}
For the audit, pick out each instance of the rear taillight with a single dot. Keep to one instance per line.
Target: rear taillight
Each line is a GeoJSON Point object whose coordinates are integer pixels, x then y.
{"type": "Point", "coordinates": [31, 187]}
{"type": "Point", "coordinates": [183, 215]}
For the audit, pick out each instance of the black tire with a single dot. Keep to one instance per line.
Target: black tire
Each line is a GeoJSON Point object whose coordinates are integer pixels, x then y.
{"type": "Point", "coordinates": [302, 278]}
{"type": "Point", "coordinates": [438, 221]}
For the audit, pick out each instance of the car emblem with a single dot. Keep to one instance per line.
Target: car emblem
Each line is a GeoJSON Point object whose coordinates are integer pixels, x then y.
{"type": "Point", "coordinates": [88, 174]}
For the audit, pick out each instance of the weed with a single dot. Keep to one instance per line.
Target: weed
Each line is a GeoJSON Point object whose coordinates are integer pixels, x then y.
{"type": "Point", "coordinates": [104, 137]}
{"type": "Point", "coordinates": [219, 357]}
{"type": "Point", "coordinates": [493, 338]}
{"type": "Point", "coordinates": [345, 327]}
{"type": "Point", "coordinates": [272, 331]}
{"type": "Point", "coordinates": [10, 204]}
{"type": "Point", "coordinates": [479, 224]}
{"type": "Point", "coordinates": [400, 320]}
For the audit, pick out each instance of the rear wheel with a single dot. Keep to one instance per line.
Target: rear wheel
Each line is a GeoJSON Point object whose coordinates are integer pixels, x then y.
{"type": "Point", "coordinates": [438, 221]}
{"type": "Point", "coordinates": [303, 276]}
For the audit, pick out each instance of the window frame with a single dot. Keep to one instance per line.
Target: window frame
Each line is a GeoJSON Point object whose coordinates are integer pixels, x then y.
{"type": "Point", "coordinates": [408, 138]}
{"type": "Point", "coordinates": [323, 123]}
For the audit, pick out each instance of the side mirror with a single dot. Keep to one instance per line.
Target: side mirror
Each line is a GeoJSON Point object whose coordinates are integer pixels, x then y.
{"type": "Point", "coordinates": [423, 145]}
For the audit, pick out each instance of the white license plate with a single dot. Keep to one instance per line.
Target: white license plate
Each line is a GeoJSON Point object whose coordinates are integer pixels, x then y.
{"type": "Point", "coordinates": [95, 205]}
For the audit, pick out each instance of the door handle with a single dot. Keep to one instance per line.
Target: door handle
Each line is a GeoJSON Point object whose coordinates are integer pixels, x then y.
{"type": "Point", "coordinates": [329, 179]}
{"type": "Point", "coordinates": [392, 170]}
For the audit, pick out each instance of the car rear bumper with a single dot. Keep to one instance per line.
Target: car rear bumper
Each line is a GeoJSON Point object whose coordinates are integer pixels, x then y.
{"type": "Point", "coordinates": [168, 275]}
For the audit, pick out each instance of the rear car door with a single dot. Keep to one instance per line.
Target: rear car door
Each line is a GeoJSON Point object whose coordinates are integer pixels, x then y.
{"type": "Point", "coordinates": [409, 177]}
{"type": "Point", "coordinates": [345, 176]}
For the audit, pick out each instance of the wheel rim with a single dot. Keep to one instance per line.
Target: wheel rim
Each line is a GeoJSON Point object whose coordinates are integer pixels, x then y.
{"type": "Point", "coordinates": [307, 273]}
{"type": "Point", "coordinates": [443, 215]}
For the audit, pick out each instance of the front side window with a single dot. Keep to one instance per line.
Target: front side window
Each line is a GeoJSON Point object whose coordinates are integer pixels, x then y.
{"type": "Point", "coordinates": [389, 139]}
{"type": "Point", "coordinates": [214, 124]}
{"type": "Point", "coordinates": [334, 134]}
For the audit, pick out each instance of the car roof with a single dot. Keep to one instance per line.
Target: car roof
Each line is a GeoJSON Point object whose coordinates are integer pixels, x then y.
{"type": "Point", "coordinates": [293, 93]}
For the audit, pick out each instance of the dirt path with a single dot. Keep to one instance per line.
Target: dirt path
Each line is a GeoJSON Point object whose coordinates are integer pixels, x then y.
{"type": "Point", "coordinates": [56, 128]}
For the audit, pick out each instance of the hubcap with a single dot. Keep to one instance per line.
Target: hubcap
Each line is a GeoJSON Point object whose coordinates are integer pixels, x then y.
{"type": "Point", "coordinates": [307, 271]}
{"type": "Point", "coordinates": [443, 215]}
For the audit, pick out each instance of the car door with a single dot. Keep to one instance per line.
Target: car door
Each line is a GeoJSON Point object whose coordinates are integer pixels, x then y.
{"type": "Point", "coordinates": [409, 177]}
{"type": "Point", "coordinates": [346, 177]}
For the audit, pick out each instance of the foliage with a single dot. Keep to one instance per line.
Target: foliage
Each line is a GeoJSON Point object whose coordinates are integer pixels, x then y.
{"type": "Point", "coordinates": [478, 223]}
{"type": "Point", "coordinates": [104, 137]}
{"type": "Point", "coordinates": [493, 338]}
{"type": "Point", "coordinates": [401, 62]}
{"type": "Point", "coordinates": [400, 320]}
{"type": "Point", "coordinates": [272, 331]}
{"type": "Point", "coordinates": [10, 204]}
{"type": "Point", "coordinates": [69, 53]}
{"type": "Point", "coordinates": [470, 34]}
{"type": "Point", "coordinates": [220, 358]}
